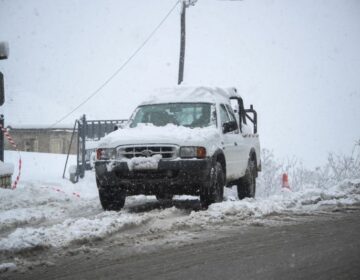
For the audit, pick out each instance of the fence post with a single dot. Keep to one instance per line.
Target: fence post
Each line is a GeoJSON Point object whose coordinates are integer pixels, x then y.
{"type": "Point", "coordinates": [68, 154]}
{"type": "Point", "coordinates": [83, 146]}
{"type": "Point", "coordinates": [2, 138]}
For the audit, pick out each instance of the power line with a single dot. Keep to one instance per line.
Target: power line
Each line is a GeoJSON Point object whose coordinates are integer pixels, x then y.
{"type": "Point", "coordinates": [121, 67]}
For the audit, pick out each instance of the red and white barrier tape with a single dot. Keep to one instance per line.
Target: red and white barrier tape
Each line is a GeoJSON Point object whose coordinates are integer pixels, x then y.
{"type": "Point", "coordinates": [13, 144]}
{"type": "Point", "coordinates": [61, 191]}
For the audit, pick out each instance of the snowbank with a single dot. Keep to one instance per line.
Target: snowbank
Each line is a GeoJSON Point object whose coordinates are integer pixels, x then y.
{"type": "Point", "coordinates": [7, 267]}
{"type": "Point", "coordinates": [43, 211]}
{"type": "Point", "coordinates": [6, 168]}
{"type": "Point", "coordinates": [69, 231]}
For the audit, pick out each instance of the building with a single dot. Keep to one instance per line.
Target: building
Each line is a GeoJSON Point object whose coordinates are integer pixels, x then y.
{"type": "Point", "coordinates": [42, 140]}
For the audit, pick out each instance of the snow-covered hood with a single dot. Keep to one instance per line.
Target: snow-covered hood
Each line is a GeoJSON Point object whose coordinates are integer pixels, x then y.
{"type": "Point", "coordinates": [170, 134]}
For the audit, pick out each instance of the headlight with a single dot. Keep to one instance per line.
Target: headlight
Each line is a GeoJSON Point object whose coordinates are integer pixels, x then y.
{"type": "Point", "coordinates": [105, 154]}
{"type": "Point", "coordinates": [192, 152]}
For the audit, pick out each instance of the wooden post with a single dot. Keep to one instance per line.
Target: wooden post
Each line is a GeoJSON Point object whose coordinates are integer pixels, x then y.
{"type": "Point", "coordinates": [182, 44]}
{"type": "Point", "coordinates": [83, 146]}
{"type": "Point", "coordinates": [2, 138]}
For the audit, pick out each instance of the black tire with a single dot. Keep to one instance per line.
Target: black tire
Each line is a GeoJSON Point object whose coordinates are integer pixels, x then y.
{"type": "Point", "coordinates": [212, 191]}
{"type": "Point", "coordinates": [164, 196]}
{"type": "Point", "coordinates": [246, 185]}
{"type": "Point", "coordinates": [111, 199]}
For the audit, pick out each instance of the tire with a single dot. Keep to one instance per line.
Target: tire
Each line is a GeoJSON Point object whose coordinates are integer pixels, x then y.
{"type": "Point", "coordinates": [212, 191]}
{"type": "Point", "coordinates": [111, 199]}
{"type": "Point", "coordinates": [246, 185]}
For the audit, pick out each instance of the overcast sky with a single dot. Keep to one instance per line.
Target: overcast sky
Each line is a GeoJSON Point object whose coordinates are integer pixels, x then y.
{"type": "Point", "coordinates": [298, 62]}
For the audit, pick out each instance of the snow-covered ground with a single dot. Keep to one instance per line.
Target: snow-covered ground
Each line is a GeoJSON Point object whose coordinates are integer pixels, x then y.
{"type": "Point", "coordinates": [46, 211]}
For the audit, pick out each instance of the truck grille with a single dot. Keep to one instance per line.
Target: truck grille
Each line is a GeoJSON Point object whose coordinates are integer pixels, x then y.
{"type": "Point", "coordinates": [166, 152]}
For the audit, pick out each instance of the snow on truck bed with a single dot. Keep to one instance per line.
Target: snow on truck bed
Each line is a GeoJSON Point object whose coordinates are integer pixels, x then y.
{"type": "Point", "coordinates": [45, 211]}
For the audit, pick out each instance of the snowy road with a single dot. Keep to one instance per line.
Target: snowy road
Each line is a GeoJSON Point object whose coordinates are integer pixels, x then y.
{"type": "Point", "coordinates": [322, 247]}
{"type": "Point", "coordinates": [45, 222]}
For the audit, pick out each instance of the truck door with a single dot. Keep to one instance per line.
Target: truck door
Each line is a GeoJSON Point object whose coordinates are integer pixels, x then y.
{"type": "Point", "coordinates": [244, 146]}
{"type": "Point", "coordinates": [231, 142]}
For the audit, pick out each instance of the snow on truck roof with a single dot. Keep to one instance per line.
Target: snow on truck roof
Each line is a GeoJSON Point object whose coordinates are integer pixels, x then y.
{"type": "Point", "coordinates": [192, 94]}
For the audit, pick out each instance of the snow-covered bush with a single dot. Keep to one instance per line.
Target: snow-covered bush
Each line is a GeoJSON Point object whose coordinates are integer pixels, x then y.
{"type": "Point", "coordinates": [269, 178]}
{"type": "Point", "coordinates": [337, 169]}
{"type": "Point", "coordinates": [342, 167]}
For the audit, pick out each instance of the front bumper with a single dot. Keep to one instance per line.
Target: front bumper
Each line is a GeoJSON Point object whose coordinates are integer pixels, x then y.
{"type": "Point", "coordinates": [171, 176]}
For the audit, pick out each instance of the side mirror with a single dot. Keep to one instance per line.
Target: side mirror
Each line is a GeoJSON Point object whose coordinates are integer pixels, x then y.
{"type": "Point", "coordinates": [229, 126]}
{"type": "Point", "coordinates": [4, 50]}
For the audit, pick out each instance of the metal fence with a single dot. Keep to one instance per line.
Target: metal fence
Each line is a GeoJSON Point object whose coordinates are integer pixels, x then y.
{"type": "Point", "coordinates": [87, 131]}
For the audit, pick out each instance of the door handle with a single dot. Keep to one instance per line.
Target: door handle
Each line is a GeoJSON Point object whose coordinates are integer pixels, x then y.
{"type": "Point", "coordinates": [235, 143]}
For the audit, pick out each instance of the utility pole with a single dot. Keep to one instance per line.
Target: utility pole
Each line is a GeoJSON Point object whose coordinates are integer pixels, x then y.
{"type": "Point", "coordinates": [185, 5]}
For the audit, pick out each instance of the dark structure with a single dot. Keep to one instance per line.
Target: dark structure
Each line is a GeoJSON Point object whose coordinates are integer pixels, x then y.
{"type": "Point", "coordinates": [4, 53]}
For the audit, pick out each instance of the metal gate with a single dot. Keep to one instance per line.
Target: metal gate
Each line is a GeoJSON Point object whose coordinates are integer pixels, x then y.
{"type": "Point", "coordinates": [88, 133]}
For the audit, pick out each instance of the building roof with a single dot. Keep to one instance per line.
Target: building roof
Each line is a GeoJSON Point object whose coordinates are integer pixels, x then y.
{"type": "Point", "coordinates": [40, 127]}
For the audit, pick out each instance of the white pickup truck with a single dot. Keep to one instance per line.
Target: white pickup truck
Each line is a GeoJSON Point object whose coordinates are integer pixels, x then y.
{"type": "Point", "coordinates": [189, 141]}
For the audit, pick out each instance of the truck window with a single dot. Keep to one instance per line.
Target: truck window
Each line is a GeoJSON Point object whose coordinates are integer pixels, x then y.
{"type": "Point", "coordinates": [224, 117]}
{"type": "Point", "coordinates": [183, 114]}
{"type": "Point", "coordinates": [232, 115]}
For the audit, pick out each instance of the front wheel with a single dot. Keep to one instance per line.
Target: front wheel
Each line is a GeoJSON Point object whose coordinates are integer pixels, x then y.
{"type": "Point", "coordinates": [246, 185]}
{"type": "Point", "coordinates": [111, 199]}
{"type": "Point", "coordinates": [213, 190]}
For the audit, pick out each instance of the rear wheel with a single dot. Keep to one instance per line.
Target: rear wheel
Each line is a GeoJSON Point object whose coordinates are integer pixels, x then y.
{"type": "Point", "coordinates": [111, 199]}
{"type": "Point", "coordinates": [246, 185]}
{"type": "Point", "coordinates": [213, 190]}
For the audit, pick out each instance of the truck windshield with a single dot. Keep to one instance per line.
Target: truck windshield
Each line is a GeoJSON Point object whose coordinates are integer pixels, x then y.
{"type": "Point", "coordinates": [183, 114]}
